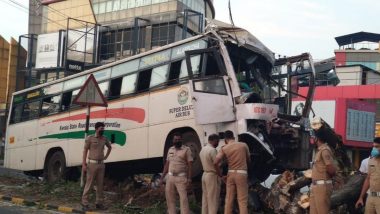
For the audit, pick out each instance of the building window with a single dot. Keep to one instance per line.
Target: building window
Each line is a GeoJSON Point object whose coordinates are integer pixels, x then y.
{"type": "Point", "coordinates": [163, 34]}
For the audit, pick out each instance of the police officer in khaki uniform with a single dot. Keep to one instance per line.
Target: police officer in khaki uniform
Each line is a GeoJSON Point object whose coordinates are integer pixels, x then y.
{"type": "Point", "coordinates": [94, 165]}
{"type": "Point", "coordinates": [238, 158]}
{"type": "Point", "coordinates": [372, 182]}
{"type": "Point", "coordinates": [322, 173]}
{"type": "Point", "coordinates": [178, 166]}
{"type": "Point", "coordinates": [210, 179]}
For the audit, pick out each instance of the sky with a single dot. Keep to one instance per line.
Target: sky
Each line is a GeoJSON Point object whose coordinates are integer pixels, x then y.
{"type": "Point", "coordinates": [291, 27]}
{"type": "Point", "coordinates": [13, 21]}
{"type": "Point", "coordinates": [287, 27]}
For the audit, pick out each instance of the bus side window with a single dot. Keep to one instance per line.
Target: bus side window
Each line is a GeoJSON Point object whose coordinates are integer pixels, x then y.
{"type": "Point", "coordinates": [159, 75]}
{"type": "Point", "coordinates": [16, 113]}
{"type": "Point", "coordinates": [195, 66]}
{"type": "Point", "coordinates": [31, 110]}
{"type": "Point", "coordinates": [128, 85]}
{"type": "Point", "coordinates": [66, 101]}
{"type": "Point", "coordinates": [104, 88]}
{"type": "Point", "coordinates": [115, 88]}
{"type": "Point", "coordinates": [212, 67]}
{"type": "Point", "coordinates": [50, 105]}
{"type": "Point", "coordinates": [144, 80]}
{"type": "Point", "coordinates": [175, 70]}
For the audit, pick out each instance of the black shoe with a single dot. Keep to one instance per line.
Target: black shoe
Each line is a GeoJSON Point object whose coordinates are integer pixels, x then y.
{"type": "Point", "coordinates": [100, 207]}
{"type": "Point", "coordinates": [85, 207]}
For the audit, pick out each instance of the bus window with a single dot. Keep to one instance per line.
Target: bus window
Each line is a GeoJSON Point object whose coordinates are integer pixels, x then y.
{"type": "Point", "coordinates": [144, 80]}
{"type": "Point", "coordinates": [213, 86]}
{"type": "Point", "coordinates": [50, 105]}
{"type": "Point", "coordinates": [67, 100]}
{"type": "Point", "coordinates": [104, 88]}
{"type": "Point", "coordinates": [129, 84]}
{"type": "Point", "coordinates": [195, 65]}
{"type": "Point", "coordinates": [102, 74]}
{"type": "Point", "coordinates": [74, 83]}
{"type": "Point", "coordinates": [175, 69]}
{"type": "Point", "coordinates": [16, 113]}
{"type": "Point", "coordinates": [53, 89]}
{"type": "Point", "coordinates": [31, 110]}
{"type": "Point", "coordinates": [125, 68]}
{"type": "Point", "coordinates": [115, 88]}
{"type": "Point", "coordinates": [159, 75]}
{"type": "Point", "coordinates": [212, 66]}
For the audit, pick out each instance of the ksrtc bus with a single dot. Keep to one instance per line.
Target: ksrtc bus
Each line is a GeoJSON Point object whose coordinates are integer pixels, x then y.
{"type": "Point", "coordinates": [220, 80]}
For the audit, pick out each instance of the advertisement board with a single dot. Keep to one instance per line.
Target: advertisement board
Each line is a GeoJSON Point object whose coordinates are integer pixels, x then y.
{"type": "Point", "coordinates": [48, 50]}
{"type": "Point", "coordinates": [324, 109]}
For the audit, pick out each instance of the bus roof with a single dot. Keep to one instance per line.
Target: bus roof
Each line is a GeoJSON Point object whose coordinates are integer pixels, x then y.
{"type": "Point", "coordinates": [113, 63]}
{"type": "Point", "coordinates": [233, 34]}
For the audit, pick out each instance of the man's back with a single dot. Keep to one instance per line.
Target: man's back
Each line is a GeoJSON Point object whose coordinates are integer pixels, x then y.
{"type": "Point", "coordinates": [207, 156]}
{"type": "Point", "coordinates": [237, 155]}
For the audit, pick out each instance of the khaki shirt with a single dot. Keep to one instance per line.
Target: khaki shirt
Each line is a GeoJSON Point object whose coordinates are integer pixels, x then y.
{"type": "Point", "coordinates": [374, 174]}
{"type": "Point", "coordinates": [237, 155]}
{"type": "Point", "coordinates": [207, 156]}
{"type": "Point", "coordinates": [178, 159]}
{"type": "Point", "coordinates": [95, 145]}
{"type": "Point", "coordinates": [323, 158]}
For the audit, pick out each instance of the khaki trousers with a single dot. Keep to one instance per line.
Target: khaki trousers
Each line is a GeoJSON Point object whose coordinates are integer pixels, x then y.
{"type": "Point", "coordinates": [372, 205]}
{"type": "Point", "coordinates": [320, 198]}
{"type": "Point", "coordinates": [95, 171]}
{"type": "Point", "coordinates": [210, 193]}
{"type": "Point", "coordinates": [176, 184]}
{"type": "Point", "coordinates": [237, 183]}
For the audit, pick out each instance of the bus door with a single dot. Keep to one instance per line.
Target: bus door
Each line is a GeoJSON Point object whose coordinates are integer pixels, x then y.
{"type": "Point", "coordinates": [210, 89]}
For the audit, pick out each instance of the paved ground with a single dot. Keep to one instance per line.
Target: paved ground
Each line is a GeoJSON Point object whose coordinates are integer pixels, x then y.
{"type": "Point", "coordinates": [9, 208]}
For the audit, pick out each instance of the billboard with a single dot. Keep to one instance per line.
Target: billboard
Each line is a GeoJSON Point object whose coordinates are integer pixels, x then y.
{"type": "Point", "coordinates": [80, 45]}
{"type": "Point", "coordinates": [324, 109]}
{"type": "Point", "coordinates": [48, 55]}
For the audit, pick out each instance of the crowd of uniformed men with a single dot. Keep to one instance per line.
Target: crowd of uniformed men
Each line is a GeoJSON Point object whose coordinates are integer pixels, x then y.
{"type": "Point", "coordinates": [178, 165]}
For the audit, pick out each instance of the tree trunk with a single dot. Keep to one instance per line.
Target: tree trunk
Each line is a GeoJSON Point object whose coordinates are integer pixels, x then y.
{"type": "Point", "coordinates": [349, 193]}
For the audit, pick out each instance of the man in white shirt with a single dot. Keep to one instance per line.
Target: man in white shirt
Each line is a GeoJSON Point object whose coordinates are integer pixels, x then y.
{"type": "Point", "coordinates": [364, 166]}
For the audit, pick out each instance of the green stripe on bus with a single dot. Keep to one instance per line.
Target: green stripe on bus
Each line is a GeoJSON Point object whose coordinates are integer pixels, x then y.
{"type": "Point", "coordinates": [120, 137]}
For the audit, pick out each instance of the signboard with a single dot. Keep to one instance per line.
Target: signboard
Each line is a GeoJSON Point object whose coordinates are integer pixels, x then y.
{"type": "Point", "coordinates": [74, 66]}
{"type": "Point", "coordinates": [90, 94]}
{"type": "Point", "coordinates": [47, 50]}
{"type": "Point", "coordinates": [155, 59]}
{"type": "Point", "coordinates": [322, 108]}
{"type": "Point", "coordinates": [360, 125]}
{"type": "Point", "coordinates": [256, 111]}
{"type": "Point", "coordinates": [179, 52]}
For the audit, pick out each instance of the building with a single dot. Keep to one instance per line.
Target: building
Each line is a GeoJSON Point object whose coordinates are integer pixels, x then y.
{"type": "Point", "coordinates": [69, 36]}
{"type": "Point", "coordinates": [350, 103]}
{"type": "Point", "coordinates": [11, 55]}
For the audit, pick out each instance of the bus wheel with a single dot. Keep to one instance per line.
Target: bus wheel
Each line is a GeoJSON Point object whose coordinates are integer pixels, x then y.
{"type": "Point", "coordinates": [55, 167]}
{"type": "Point", "coordinates": [191, 140]}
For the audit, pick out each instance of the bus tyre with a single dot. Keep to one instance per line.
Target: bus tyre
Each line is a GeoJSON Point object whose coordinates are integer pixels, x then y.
{"type": "Point", "coordinates": [191, 140]}
{"type": "Point", "coordinates": [55, 167]}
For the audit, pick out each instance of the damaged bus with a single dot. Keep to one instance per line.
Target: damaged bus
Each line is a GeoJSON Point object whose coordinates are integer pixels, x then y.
{"type": "Point", "coordinates": [224, 79]}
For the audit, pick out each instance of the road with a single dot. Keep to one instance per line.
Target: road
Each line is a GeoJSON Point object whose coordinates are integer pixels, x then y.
{"type": "Point", "coordinates": [9, 208]}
